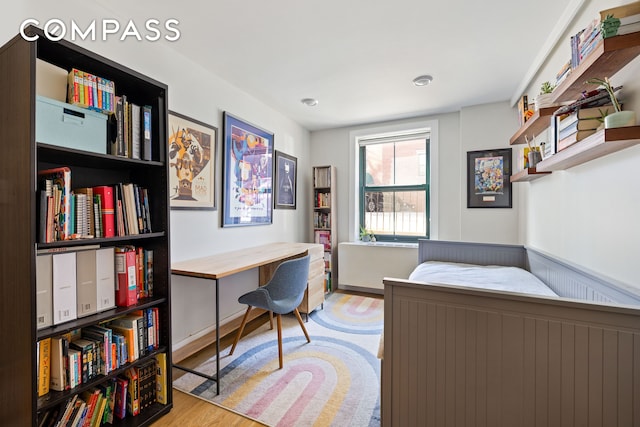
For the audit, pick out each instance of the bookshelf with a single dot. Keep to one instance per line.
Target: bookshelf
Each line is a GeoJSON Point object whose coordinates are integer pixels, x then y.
{"type": "Point", "coordinates": [23, 157]}
{"type": "Point", "coordinates": [606, 59]}
{"type": "Point", "coordinates": [324, 221]}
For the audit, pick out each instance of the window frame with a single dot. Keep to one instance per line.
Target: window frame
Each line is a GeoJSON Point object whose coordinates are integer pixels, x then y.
{"type": "Point", "coordinates": [364, 188]}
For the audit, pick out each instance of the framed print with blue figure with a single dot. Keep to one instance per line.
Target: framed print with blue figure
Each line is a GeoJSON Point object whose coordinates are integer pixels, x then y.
{"type": "Point", "coordinates": [248, 173]}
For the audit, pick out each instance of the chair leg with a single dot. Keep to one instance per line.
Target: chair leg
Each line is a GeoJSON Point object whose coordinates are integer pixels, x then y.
{"type": "Point", "coordinates": [297, 313]}
{"type": "Point", "coordinates": [242, 325]}
{"type": "Point", "coordinates": [279, 321]}
{"type": "Point", "coordinates": [271, 320]}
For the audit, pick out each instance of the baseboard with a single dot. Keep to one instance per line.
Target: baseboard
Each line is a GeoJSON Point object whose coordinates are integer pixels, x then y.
{"type": "Point", "coordinates": [356, 289]}
{"type": "Point", "coordinates": [198, 343]}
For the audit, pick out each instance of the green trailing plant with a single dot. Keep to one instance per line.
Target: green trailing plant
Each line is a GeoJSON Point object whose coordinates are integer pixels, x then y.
{"type": "Point", "coordinates": [606, 84]}
{"type": "Point", "coordinates": [546, 87]}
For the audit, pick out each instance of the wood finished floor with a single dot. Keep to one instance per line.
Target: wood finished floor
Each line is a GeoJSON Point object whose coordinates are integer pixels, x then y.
{"type": "Point", "coordinates": [191, 411]}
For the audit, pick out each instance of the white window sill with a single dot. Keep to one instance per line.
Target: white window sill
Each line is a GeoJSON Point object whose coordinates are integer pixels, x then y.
{"type": "Point", "coordinates": [382, 244]}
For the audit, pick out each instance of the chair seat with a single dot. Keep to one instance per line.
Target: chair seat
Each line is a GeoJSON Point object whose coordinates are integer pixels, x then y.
{"type": "Point", "coordinates": [260, 298]}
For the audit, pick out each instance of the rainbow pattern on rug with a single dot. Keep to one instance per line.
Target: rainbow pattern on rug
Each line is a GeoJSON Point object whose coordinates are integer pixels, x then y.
{"type": "Point", "coordinates": [332, 381]}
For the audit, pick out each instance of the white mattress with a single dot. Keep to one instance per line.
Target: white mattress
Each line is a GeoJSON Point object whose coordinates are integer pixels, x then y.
{"type": "Point", "coordinates": [510, 279]}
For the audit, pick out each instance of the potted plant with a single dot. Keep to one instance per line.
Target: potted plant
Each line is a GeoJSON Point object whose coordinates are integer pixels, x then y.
{"type": "Point", "coordinates": [366, 235]}
{"type": "Point", "coordinates": [544, 98]}
{"type": "Point", "coordinates": [618, 118]}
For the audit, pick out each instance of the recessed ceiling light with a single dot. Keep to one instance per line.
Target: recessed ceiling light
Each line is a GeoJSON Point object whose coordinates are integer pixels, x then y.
{"type": "Point", "coordinates": [422, 80]}
{"type": "Point", "coordinates": [309, 102]}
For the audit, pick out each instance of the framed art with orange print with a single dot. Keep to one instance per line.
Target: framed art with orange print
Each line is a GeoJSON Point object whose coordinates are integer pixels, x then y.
{"type": "Point", "coordinates": [248, 173]}
{"type": "Point", "coordinates": [192, 163]}
{"type": "Point", "coordinates": [489, 178]}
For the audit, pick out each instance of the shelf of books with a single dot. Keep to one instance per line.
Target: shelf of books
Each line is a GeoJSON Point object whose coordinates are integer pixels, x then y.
{"type": "Point", "coordinates": [598, 144]}
{"type": "Point", "coordinates": [324, 220]}
{"type": "Point", "coordinates": [89, 239]}
{"type": "Point", "coordinates": [575, 121]}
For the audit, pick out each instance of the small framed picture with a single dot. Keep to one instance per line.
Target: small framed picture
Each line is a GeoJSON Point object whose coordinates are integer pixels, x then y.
{"type": "Point", "coordinates": [489, 178]}
{"type": "Point", "coordinates": [286, 171]}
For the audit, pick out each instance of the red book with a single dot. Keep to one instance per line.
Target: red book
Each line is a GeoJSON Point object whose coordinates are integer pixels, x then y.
{"type": "Point", "coordinates": [108, 210]}
{"type": "Point", "coordinates": [126, 271]}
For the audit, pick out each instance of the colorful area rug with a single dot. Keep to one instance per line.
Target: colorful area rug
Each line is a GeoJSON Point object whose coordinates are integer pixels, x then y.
{"type": "Point", "coordinates": [332, 381]}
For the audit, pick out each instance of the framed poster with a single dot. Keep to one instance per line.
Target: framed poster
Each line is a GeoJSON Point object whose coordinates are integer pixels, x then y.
{"type": "Point", "coordinates": [489, 178]}
{"type": "Point", "coordinates": [248, 173]}
{"type": "Point", "coordinates": [286, 176]}
{"type": "Point", "coordinates": [192, 151]}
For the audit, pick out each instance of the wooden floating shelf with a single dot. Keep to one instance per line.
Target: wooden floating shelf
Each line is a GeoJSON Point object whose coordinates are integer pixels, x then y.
{"type": "Point", "coordinates": [599, 144]}
{"type": "Point", "coordinates": [528, 174]}
{"type": "Point", "coordinates": [536, 124]}
{"type": "Point", "coordinates": [608, 57]}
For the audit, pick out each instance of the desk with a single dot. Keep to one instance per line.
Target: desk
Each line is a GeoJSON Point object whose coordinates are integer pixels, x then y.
{"type": "Point", "coordinates": [266, 258]}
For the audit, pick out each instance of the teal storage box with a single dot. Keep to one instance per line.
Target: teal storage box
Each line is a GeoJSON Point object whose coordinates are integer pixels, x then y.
{"type": "Point", "coordinates": [66, 125]}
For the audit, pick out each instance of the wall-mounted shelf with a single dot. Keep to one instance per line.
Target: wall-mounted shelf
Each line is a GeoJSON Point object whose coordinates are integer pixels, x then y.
{"type": "Point", "coordinates": [528, 174]}
{"type": "Point", "coordinates": [599, 144]}
{"type": "Point", "coordinates": [607, 58]}
{"type": "Point", "coordinates": [536, 124]}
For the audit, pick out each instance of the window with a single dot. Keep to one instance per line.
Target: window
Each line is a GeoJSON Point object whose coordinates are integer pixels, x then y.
{"type": "Point", "coordinates": [394, 187]}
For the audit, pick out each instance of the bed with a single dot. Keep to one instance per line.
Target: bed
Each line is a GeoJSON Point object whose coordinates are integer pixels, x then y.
{"type": "Point", "coordinates": [473, 356]}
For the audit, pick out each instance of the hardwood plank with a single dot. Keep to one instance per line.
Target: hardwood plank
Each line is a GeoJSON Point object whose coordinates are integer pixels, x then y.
{"type": "Point", "coordinates": [189, 410]}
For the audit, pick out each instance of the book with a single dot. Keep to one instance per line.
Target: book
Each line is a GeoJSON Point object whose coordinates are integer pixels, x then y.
{"type": "Point", "coordinates": [131, 337]}
{"type": "Point", "coordinates": [161, 379]}
{"type": "Point", "coordinates": [135, 322]}
{"type": "Point", "coordinates": [121, 390]}
{"type": "Point", "coordinates": [91, 227]}
{"type": "Point", "coordinates": [86, 282]}
{"type": "Point", "coordinates": [108, 390]}
{"type": "Point", "coordinates": [64, 287]}
{"type": "Point", "coordinates": [126, 274]}
{"type": "Point", "coordinates": [107, 209]}
{"type": "Point", "coordinates": [44, 290]}
{"type": "Point", "coordinates": [103, 336]}
{"type": "Point", "coordinates": [146, 383]}
{"type": "Point", "coordinates": [628, 28]}
{"type": "Point", "coordinates": [87, 353]}
{"type": "Point", "coordinates": [59, 354]}
{"type": "Point", "coordinates": [133, 392]}
{"type": "Point", "coordinates": [105, 279]}
{"type": "Point", "coordinates": [61, 182]}
{"type": "Point", "coordinates": [146, 133]}
{"type": "Point", "coordinates": [573, 138]}
{"type": "Point", "coordinates": [75, 367]}
{"type": "Point", "coordinates": [136, 134]}
{"type": "Point", "coordinates": [44, 365]}
{"type": "Point", "coordinates": [577, 125]}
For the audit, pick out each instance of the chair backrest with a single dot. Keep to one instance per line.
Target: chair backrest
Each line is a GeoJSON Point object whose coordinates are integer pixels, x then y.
{"type": "Point", "coordinates": [289, 281]}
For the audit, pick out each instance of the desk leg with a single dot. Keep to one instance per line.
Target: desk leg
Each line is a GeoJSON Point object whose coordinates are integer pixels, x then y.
{"type": "Point", "coordinates": [201, 374]}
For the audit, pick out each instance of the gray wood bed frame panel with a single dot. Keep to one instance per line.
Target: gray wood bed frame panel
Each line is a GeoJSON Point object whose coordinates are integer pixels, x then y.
{"type": "Point", "coordinates": [461, 356]}
{"type": "Point", "coordinates": [563, 278]}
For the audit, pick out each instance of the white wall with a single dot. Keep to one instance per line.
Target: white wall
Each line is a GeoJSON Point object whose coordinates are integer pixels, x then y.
{"type": "Point", "coordinates": [472, 128]}
{"type": "Point", "coordinates": [203, 96]}
{"type": "Point", "coordinates": [588, 214]}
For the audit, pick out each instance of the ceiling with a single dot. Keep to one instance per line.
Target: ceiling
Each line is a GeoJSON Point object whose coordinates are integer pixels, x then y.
{"type": "Point", "coordinates": [359, 57]}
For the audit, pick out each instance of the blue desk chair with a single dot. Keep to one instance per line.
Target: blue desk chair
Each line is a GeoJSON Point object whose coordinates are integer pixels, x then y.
{"type": "Point", "coordinates": [281, 295]}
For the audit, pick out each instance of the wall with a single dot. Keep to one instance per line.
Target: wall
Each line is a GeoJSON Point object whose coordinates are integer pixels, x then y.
{"type": "Point", "coordinates": [588, 214]}
{"type": "Point", "coordinates": [194, 233]}
{"type": "Point", "coordinates": [472, 128]}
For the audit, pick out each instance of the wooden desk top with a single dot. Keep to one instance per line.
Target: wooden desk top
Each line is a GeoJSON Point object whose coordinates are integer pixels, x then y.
{"type": "Point", "coordinates": [227, 263]}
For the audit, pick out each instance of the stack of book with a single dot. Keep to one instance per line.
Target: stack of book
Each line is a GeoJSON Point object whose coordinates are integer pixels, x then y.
{"type": "Point", "coordinates": [90, 91]}
{"type": "Point", "coordinates": [579, 124]}
{"type": "Point", "coordinates": [629, 16]}
{"type": "Point", "coordinates": [583, 42]}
